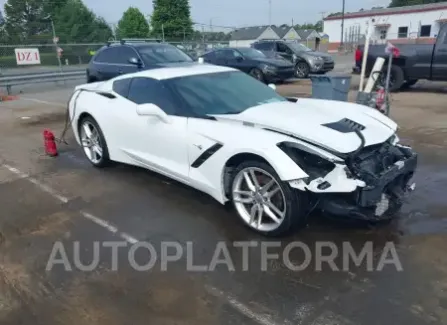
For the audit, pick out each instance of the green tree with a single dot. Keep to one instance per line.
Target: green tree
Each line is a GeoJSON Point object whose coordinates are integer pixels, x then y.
{"type": "Point", "coordinates": [402, 3]}
{"type": "Point", "coordinates": [75, 23]}
{"type": "Point", "coordinates": [24, 19]}
{"type": "Point", "coordinates": [172, 18]}
{"type": "Point", "coordinates": [133, 24]}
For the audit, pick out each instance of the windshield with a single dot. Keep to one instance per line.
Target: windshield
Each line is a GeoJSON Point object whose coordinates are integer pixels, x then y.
{"type": "Point", "coordinates": [163, 54]}
{"type": "Point", "coordinates": [299, 47]}
{"type": "Point", "coordinates": [252, 53]}
{"type": "Point", "coordinates": [223, 92]}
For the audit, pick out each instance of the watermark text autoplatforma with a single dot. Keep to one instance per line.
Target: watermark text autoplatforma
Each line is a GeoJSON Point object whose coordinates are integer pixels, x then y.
{"type": "Point", "coordinates": [336, 257]}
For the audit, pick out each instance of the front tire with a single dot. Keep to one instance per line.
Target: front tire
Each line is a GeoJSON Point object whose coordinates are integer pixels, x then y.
{"type": "Point", "coordinates": [93, 142]}
{"type": "Point", "coordinates": [257, 74]}
{"type": "Point", "coordinates": [266, 204]}
{"type": "Point", "coordinates": [302, 70]}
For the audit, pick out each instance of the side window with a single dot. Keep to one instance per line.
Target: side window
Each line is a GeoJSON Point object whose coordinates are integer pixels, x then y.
{"type": "Point", "coordinates": [265, 46]}
{"type": "Point", "coordinates": [236, 54]}
{"type": "Point", "coordinates": [283, 48]}
{"type": "Point", "coordinates": [209, 56]}
{"type": "Point", "coordinates": [103, 56]}
{"type": "Point", "coordinates": [121, 86]}
{"type": "Point", "coordinates": [227, 54]}
{"type": "Point", "coordinates": [109, 55]}
{"type": "Point", "coordinates": [146, 90]}
{"type": "Point", "coordinates": [125, 53]}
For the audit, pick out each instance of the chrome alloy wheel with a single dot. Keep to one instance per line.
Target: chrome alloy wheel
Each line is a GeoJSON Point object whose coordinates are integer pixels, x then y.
{"type": "Point", "coordinates": [259, 199]}
{"type": "Point", "coordinates": [91, 143]}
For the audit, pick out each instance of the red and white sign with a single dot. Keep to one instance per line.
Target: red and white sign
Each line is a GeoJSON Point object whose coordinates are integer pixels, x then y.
{"type": "Point", "coordinates": [390, 48]}
{"type": "Point", "coordinates": [27, 56]}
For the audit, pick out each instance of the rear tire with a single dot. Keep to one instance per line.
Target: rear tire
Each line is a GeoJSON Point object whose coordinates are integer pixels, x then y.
{"type": "Point", "coordinates": [407, 84]}
{"type": "Point", "coordinates": [290, 207]}
{"type": "Point", "coordinates": [93, 142]}
{"type": "Point", "coordinates": [397, 78]}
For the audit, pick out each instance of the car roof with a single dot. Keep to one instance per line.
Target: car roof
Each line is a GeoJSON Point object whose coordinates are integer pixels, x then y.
{"type": "Point", "coordinates": [137, 44]}
{"type": "Point", "coordinates": [178, 71]}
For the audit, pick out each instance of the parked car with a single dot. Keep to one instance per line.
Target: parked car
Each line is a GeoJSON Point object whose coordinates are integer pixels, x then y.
{"type": "Point", "coordinates": [251, 61]}
{"type": "Point", "coordinates": [305, 60]}
{"type": "Point", "coordinates": [119, 58]}
{"type": "Point", "coordinates": [222, 132]}
{"type": "Point", "coordinates": [415, 62]}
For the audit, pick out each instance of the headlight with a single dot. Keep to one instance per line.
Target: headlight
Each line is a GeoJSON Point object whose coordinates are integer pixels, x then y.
{"type": "Point", "coordinates": [312, 163]}
{"type": "Point", "coordinates": [318, 60]}
{"type": "Point", "coordinates": [268, 68]}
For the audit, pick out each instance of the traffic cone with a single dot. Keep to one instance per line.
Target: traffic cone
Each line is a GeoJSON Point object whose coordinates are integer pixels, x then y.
{"type": "Point", "coordinates": [49, 143]}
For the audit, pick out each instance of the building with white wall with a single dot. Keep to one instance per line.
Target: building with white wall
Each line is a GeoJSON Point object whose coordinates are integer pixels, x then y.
{"type": "Point", "coordinates": [418, 24]}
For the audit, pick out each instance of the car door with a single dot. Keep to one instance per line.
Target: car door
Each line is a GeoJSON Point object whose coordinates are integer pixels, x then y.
{"type": "Point", "coordinates": [156, 144]}
{"type": "Point", "coordinates": [284, 51]}
{"type": "Point", "coordinates": [124, 54]}
{"type": "Point", "coordinates": [439, 65]}
{"type": "Point", "coordinates": [103, 66]}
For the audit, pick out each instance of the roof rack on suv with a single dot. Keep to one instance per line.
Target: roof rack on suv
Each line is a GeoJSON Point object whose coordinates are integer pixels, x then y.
{"type": "Point", "coordinates": [134, 40]}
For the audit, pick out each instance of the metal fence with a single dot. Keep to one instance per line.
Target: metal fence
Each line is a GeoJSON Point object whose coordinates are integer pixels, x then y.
{"type": "Point", "coordinates": [353, 38]}
{"type": "Point", "coordinates": [77, 55]}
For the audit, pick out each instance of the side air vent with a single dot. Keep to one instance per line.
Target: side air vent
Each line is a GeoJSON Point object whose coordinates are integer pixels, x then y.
{"type": "Point", "coordinates": [108, 95]}
{"type": "Point", "coordinates": [345, 126]}
{"type": "Point", "coordinates": [206, 155]}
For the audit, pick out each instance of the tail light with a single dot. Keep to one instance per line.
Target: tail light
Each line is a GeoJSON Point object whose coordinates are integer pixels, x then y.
{"type": "Point", "coordinates": [358, 55]}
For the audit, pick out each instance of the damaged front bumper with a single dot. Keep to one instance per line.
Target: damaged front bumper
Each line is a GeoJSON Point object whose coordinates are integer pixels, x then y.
{"type": "Point", "coordinates": [341, 194]}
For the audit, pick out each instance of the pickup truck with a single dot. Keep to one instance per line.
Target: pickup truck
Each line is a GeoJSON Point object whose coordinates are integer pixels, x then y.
{"type": "Point", "coordinates": [415, 62]}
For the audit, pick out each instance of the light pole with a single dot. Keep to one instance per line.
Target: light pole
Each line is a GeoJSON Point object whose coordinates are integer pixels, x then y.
{"type": "Point", "coordinates": [342, 23]}
{"type": "Point", "coordinates": [55, 41]}
{"type": "Point", "coordinates": [270, 12]}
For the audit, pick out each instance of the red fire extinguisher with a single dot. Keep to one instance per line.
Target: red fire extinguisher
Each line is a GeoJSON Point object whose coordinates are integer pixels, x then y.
{"type": "Point", "coordinates": [50, 143]}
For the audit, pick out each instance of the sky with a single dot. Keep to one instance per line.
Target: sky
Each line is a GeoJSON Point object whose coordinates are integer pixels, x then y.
{"type": "Point", "coordinates": [239, 13]}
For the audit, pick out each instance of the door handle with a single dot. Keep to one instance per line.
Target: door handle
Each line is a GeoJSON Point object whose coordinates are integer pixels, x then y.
{"type": "Point", "coordinates": [120, 71]}
{"type": "Point", "coordinates": [442, 50]}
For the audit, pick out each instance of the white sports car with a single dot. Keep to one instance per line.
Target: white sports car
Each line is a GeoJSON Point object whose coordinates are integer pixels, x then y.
{"type": "Point", "coordinates": [224, 133]}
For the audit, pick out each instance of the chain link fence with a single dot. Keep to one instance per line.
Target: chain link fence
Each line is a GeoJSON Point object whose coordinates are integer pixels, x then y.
{"type": "Point", "coordinates": [78, 44]}
{"type": "Point", "coordinates": [77, 56]}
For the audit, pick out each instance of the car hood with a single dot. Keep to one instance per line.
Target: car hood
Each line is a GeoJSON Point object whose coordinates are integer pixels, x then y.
{"type": "Point", "coordinates": [275, 62]}
{"type": "Point", "coordinates": [320, 122]}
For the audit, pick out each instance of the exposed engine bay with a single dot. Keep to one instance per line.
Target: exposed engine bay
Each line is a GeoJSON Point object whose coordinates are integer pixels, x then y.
{"type": "Point", "coordinates": [369, 184]}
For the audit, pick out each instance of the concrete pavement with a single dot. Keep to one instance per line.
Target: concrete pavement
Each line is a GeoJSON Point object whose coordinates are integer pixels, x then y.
{"type": "Point", "coordinates": [47, 200]}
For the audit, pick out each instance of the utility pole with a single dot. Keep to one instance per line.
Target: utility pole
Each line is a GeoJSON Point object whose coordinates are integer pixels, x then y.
{"type": "Point", "coordinates": [322, 19]}
{"type": "Point", "coordinates": [270, 12]}
{"type": "Point", "coordinates": [163, 32]}
{"type": "Point", "coordinates": [342, 23]}
{"type": "Point", "coordinates": [211, 25]}
{"type": "Point", "coordinates": [55, 42]}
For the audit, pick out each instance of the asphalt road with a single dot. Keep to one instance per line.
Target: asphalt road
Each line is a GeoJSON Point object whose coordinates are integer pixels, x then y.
{"type": "Point", "coordinates": [64, 200]}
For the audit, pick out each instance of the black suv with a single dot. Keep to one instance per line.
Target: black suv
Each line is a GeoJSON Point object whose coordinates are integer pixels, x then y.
{"type": "Point", "coordinates": [304, 59]}
{"type": "Point", "coordinates": [123, 57]}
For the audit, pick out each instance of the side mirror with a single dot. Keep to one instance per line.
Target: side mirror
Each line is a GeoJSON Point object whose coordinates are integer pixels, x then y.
{"type": "Point", "coordinates": [273, 86]}
{"type": "Point", "coordinates": [239, 59]}
{"type": "Point", "coordinates": [153, 110]}
{"type": "Point", "coordinates": [135, 61]}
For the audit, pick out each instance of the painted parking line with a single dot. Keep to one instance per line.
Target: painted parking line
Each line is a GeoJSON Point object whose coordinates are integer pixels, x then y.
{"type": "Point", "coordinates": [233, 302]}
{"type": "Point", "coordinates": [44, 101]}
